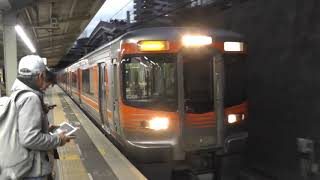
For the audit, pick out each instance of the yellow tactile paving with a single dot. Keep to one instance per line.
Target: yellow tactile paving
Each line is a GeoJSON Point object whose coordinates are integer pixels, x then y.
{"type": "Point", "coordinates": [71, 166]}
{"type": "Point", "coordinates": [69, 152]}
{"type": "Point", "coordinates": [72, 169]}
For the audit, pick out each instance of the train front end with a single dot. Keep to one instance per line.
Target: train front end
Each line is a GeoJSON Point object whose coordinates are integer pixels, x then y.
{"type": "Point", "coordinates": [183, 94]}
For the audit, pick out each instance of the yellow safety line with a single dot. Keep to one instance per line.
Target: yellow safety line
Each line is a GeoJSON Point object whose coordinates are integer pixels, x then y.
{"type": "Point", "coordinates": [70, 161]}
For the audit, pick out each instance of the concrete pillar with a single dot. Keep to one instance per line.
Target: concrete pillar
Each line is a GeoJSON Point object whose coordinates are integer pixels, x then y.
{"type": "Point", "coordinates": [1, 80]}
{"type": "Point", "coordinates": [10, 49]}
{"type": "Point", "coordinates": [1, 75]}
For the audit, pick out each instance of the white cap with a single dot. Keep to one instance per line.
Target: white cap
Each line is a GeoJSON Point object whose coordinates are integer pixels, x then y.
{"type": "Point", "coordinates": [31, 65]}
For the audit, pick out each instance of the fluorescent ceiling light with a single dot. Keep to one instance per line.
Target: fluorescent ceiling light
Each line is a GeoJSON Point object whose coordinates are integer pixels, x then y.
{"type": "Point", "coordinates": [45, 61]}
{"type": "Point", "coordinates": [25, 38]}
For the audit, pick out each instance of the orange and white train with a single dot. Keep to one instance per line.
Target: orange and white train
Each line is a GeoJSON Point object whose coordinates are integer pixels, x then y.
{"type": "Point", "coordinates": [166, 94]}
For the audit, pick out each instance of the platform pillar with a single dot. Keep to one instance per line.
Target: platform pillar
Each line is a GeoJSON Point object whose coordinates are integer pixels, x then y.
{"type": "Point", "coordinates": [9, 49]}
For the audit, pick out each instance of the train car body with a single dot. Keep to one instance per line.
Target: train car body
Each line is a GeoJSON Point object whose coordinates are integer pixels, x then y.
{"type": "Point", "coordinates": [157, 91]}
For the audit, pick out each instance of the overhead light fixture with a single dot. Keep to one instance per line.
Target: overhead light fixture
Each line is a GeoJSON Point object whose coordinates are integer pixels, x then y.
{"type": "Point", "coordinates": [45, 61]}
{"type": "Point", "coordinates": [25, 38]}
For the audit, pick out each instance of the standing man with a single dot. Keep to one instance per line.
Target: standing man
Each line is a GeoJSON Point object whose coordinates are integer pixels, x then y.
{"type": "Point", "coordinates": [32, 122]}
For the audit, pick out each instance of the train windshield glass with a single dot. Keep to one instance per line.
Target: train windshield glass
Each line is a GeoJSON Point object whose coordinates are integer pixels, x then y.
{"type": "Point", "coordinates": [198, 83]}
{"type": "Point", "coordinates": [235, 80]}
{"type": "Point", "coordinates": [150, 81]}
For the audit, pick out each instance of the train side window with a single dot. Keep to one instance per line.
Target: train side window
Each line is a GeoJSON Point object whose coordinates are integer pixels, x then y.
{"type": "Point", "coordinates": [92, 82]}
{"type": "Point", "coordinates": [74, 79]}
{"type": "Point", "coordinates": [87, 81]}
{"type": "Point", "coordinates": [65, 77]}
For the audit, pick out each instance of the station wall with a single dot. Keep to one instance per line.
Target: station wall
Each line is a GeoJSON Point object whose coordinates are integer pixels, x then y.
{"type": "Point", "coordinates": [284, 76]}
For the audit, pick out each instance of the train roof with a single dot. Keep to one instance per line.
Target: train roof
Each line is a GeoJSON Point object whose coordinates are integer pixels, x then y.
{"type": "Point", "coordinates": [175, 33]}
{"type": "Point", "coordinates": [171, 34]}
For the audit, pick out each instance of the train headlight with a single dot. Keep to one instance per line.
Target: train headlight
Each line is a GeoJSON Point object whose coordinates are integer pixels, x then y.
{"type": "Point", "coordinates": [196, 40]}
{"type": "Point", "coordinates": [233, 46]}
{"type": "Point", "coordinates": [159, 123]}
{"type": "Point", "coordinates": [232, 118]}
{"type": "Point", "coordinates": [235, 118]}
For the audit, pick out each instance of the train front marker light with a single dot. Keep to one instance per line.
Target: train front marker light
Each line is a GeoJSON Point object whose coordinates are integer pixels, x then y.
{"type": "Point", "coordinates": [233, 46]}
{"type": "Point", "coordinates": [196, 40]}
{"type": "Point", "coordinates": [159, 123]}
{"type": "Point", "coordinates": [153, 45]}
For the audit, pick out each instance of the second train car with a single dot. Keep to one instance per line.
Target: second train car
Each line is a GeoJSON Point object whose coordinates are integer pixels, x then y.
{"type": "Point", "coordinates": [171, 94]}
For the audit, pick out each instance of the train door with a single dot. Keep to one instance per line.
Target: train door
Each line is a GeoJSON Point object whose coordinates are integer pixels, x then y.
{"type": "Point", "coordinates": [102, 97]}
{"type": "Point", "coordinates": [196, 99]}
{"type": "Point", "coordinates": [70, 82]}
{"type": "Point", "coordinates": [67, 81]}
{"type": "Point", "coordinates": [73, 82]}
{"type": "Point", "coordinates": [78, 85]}
{"type": "Point", "coordinates": [115, 96]}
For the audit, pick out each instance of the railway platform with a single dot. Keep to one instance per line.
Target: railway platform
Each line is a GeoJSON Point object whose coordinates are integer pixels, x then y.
{"type": "Point", "coordinates": [90, 155]}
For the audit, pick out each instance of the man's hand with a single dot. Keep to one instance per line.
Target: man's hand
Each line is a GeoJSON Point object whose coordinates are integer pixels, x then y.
{"type": "Point", "coordinates": [52, 106]}
{"type": "Point", "coordinates": [64, 138]}
{"type": "Point", "coordinates": [53, 127]}
{"type": "Point", "coordinates": [47, 107]}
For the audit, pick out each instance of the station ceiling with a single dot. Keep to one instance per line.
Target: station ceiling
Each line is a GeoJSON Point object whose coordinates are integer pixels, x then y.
{"type": "Point", "coordinates": [54, 25]}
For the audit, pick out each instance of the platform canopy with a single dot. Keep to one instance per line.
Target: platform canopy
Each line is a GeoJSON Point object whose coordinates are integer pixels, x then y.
{"type": "Point", "coordinates": [52, 25]}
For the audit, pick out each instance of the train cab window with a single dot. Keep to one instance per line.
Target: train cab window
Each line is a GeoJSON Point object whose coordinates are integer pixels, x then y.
{"type": "Point", "coordinates": [198, 83]}
{"type": "Point", "coordinates": [235, 79]}
{"type": "Point", "coordinates": [150, 81]}
{"type": "Point", "coordinates": [87, 82]}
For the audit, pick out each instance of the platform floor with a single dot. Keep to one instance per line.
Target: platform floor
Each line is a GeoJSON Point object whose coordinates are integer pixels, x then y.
{"type": "Point", "coordinates": [91, 155]}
